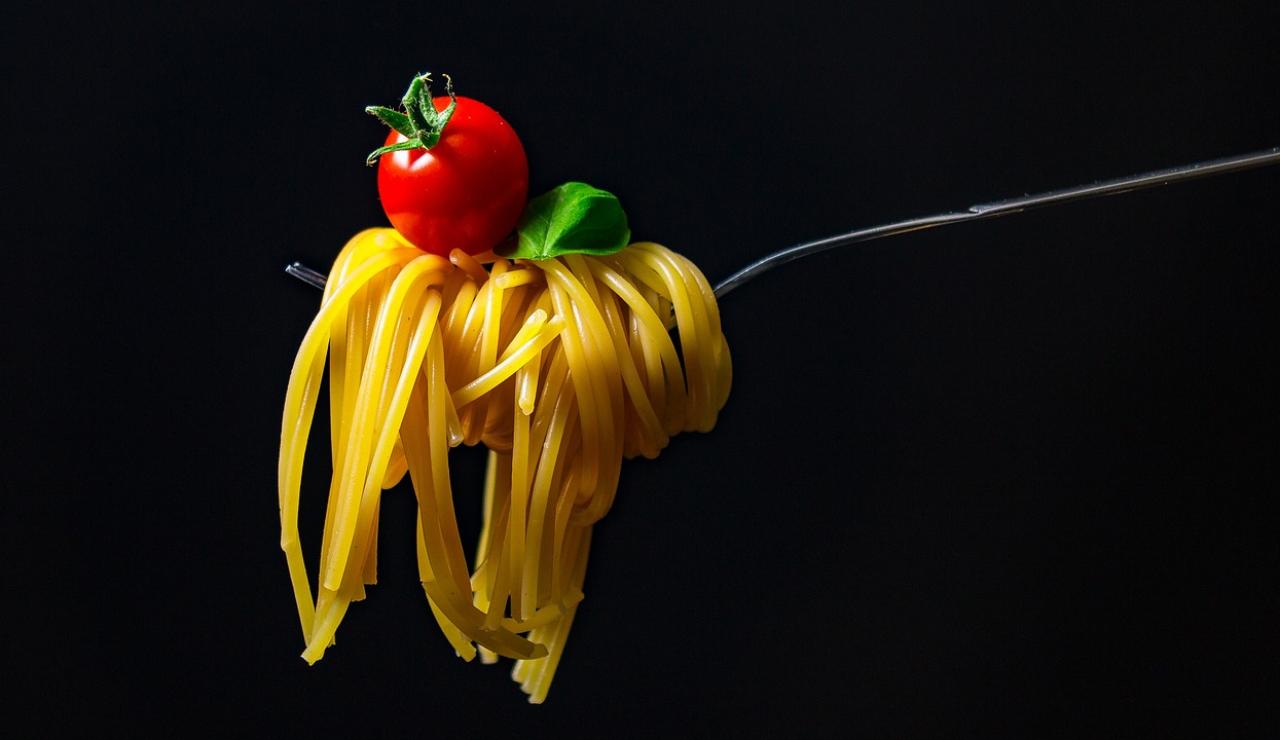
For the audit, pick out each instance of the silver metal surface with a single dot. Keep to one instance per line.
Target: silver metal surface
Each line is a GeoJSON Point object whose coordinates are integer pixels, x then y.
{"type": "Point", "coordinates": [307, 275]}
{"type": "Point", "coordinates": [1004, 207]}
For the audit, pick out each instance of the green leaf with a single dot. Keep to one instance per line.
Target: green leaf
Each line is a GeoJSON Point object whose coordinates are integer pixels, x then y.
{"type": "Point", "coordinates": [573, 218]}
{"type": "Point", "coordinates": [425, 104]}
{"type": "Point", "coordinates": [412, 102]}
{"type": "Point", "coordinates": [402, 146]}
{"type": "Point", "coordinates": [393, 118]}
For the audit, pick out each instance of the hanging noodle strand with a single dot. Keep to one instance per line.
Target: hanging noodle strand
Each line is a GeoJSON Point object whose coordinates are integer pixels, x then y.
{"type": "Point", "coordinates": [561, 367]}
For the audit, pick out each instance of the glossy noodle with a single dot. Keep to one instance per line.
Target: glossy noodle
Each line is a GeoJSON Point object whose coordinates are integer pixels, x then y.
{"type": "Point", "coordinates": [561, 368]}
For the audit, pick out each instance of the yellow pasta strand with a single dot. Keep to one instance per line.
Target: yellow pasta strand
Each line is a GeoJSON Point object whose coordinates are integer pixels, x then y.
{"type": "Point", "coordinates": [561, 367]}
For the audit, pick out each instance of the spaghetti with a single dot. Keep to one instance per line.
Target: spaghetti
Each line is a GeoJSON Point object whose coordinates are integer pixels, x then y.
{"type": "Point", "coordinates": [560, 367]}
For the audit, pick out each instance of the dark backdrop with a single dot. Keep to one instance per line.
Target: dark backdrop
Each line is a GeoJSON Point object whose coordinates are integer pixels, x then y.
{"type": "Point", "coordinates": [1012, 478]}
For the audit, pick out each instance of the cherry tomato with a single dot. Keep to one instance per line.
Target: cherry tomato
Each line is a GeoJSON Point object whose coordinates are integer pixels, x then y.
{"type": "Point", "coordinates": [466, 191]}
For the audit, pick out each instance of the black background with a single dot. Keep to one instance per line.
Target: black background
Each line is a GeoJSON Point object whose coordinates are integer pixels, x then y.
{"type": "Point", "coordinates": [1012, 479]}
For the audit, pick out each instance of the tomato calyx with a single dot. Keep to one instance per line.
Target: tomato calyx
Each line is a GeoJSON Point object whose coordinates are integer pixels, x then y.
{"type": "Point", "coordinates": [420, 122]}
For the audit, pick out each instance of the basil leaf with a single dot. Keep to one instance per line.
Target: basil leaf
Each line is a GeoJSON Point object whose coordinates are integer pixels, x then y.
{"type": "Point", "coordinates": [573, 218]}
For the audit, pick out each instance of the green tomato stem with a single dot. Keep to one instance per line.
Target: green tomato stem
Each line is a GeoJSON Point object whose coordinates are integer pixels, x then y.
{"type": "Point", "coordinates": [420, 123]}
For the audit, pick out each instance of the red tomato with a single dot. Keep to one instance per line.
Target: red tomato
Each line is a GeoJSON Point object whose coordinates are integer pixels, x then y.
{"type": "Point", "coordinates": [466, 192]}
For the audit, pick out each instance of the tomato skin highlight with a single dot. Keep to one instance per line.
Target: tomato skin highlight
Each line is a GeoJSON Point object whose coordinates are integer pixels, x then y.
{"type": "Point", "coordinates": [466, 192]}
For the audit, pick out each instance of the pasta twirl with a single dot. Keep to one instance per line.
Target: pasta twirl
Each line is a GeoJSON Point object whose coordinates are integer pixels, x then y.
{"type": "Point", "coordinates": [560, 367]}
